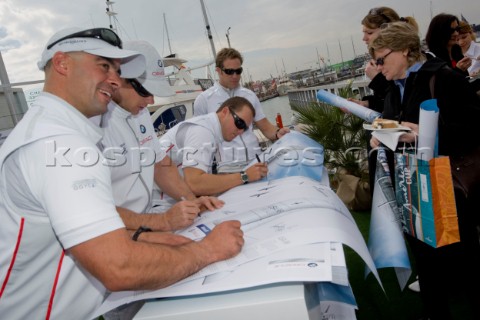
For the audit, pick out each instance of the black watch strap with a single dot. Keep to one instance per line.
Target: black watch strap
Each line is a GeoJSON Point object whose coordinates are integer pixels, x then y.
{"type": "Point", "coordinates": [139, 231]}
{"type": "Point", "coordinates": [244, 177]}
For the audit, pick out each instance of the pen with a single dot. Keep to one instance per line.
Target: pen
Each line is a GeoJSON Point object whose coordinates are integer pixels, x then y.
{"type": "Point", "coordinates": [258, 158]}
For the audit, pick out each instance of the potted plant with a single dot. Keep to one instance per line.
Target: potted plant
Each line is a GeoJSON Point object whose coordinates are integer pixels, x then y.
{"type": "Point", "coordinates": [344, 141]}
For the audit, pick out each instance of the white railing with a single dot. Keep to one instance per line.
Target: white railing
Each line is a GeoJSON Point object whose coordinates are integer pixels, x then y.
{"type": "Point", "coordinates": [304, 96]}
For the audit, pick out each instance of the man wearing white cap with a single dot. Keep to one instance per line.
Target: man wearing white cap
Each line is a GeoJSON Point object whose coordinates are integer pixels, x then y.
{"type": "Point", "coordinates": [137, 161]}
{"type": "Point", "coordinates": [136, 158]}
{"type": "Point", "coordinates": [62, 243]}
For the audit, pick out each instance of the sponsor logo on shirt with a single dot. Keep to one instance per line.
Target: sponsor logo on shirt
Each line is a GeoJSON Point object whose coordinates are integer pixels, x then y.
{"type": "Point", "coordinates": [145, 140]}
{"type": "Point", "coordinates": [84, 184]}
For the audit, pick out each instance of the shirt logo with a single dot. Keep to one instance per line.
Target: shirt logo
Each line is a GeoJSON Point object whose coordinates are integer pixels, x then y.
{"type": "Point", "coordinates": [143, 129]}
{"type": "Point", "coordinates": [84, 184]}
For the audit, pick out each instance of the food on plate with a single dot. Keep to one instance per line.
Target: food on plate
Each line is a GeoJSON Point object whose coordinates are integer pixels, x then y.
{"type": "Point", "coordinates": [384, 124]}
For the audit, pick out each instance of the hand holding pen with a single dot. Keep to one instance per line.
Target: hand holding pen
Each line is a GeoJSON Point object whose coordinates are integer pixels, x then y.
{"type": "Point", "coordinates": [257, 171]}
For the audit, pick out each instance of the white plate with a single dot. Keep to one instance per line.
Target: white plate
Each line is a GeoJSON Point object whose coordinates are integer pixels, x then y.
{"type": "Point", "coordinates": [367, 126]}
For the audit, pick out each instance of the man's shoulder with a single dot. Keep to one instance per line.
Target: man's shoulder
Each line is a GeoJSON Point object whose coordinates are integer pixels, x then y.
{"type": "Point", "coordinates": [246, 93]}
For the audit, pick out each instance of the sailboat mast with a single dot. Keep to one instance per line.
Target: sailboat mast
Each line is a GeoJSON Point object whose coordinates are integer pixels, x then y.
{"type": "Point", "coordinates": [209, 32]}
{"type": "Point", "coordinates": [111, 15]}
{"type": "Point", "coordinates": [166, 31]}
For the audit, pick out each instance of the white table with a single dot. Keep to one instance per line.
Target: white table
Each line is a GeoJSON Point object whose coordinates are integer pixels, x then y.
{"type": "Point", "coordinates": [277, 301]}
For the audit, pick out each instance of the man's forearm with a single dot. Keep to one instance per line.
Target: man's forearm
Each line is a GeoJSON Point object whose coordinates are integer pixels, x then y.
{"type": "Point", "coordinates": [148, 266]}
{"type": "Point", "coordinates": [171, 182]}
{"type": "Point", "coordinates": [204, 184]}
{"type": "Point", "coordinates": [133, 220]}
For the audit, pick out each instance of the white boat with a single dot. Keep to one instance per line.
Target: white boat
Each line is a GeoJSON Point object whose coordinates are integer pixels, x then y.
{"type": "Point", "coordinates": [168, 111]}
{"type": "Point", "coordinates": [284, 84]}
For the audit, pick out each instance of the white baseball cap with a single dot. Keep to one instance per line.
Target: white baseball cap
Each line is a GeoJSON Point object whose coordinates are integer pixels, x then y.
{"type": "Point", "coordinates": [153, 79]}
{"type": "Point", "coordinates": [101, 42]}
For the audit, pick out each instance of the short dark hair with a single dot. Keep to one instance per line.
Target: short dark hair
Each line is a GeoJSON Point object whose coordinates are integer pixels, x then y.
{"type": "Point", "coordinates": [227, 53]}
{"type": "Point", "coordinates": [237, 104]}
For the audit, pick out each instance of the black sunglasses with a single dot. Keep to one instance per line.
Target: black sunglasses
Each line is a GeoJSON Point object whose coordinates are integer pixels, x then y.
{"type": "Point", "coordinates": [239, 122]}
{"type": "Point", "coordinates": [137, 86]}
{"type": "Point", "coordinates": [455, 29]}
{"type": "Point", "coordinates": [104, 34]}
{"type": "Point", "coordinates": [232, 71]}
{"type": "Point", "coordinates": [381, 61]}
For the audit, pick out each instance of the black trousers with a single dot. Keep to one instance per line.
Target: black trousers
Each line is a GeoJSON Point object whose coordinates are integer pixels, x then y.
{"type": "Point", "coordinates": [451, 273]}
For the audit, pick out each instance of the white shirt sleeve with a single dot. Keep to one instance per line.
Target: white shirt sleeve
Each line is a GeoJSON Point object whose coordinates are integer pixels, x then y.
{"type": "Point", "coordinates": [72, 185]}
{"type": "Point", "coordinates": [200, 106]}
{"type": "Point", "coordinates": [198, 147]}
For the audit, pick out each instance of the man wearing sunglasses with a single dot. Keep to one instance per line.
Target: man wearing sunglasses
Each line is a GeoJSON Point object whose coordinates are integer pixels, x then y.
{"type": "Point", "coordinates": [136, 158]}
{"type": "Point", "coordinates": [137, 162]}
{"type": "Point", "coordinates": [195, 142]}
{"type": "Point", "coordinates": [63, 244]}
{"type": "Point", "coordinates": [229, 68]}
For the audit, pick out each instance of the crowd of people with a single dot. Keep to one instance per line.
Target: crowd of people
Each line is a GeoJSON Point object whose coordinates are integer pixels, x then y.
{"type": "Point", "coordinates": [74, 229]}
{"type": "Point", "coordinates": [405, 72]}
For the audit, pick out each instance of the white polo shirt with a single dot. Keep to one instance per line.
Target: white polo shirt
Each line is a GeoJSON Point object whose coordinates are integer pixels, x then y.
{"type": "Point", "coordinates": [55, 194]}
{"type": "Point", "coordinates": [194, 142]}
{"type": "Point", "coordinates": [246, 143]}
{"type": "Point", "coordinates": [131, 147]}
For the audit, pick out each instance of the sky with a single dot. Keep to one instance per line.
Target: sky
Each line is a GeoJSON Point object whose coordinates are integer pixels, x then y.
{"type": "Point", "coordinates": [273, 36]}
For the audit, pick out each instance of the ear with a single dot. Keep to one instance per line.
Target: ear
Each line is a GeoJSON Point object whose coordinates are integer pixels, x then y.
{"type": "Point", "coordinates": [405, 52]}
{"type": "Point", "coordinates": [222, 114]}
{"type": "Point", "coordinates": [60, 62]}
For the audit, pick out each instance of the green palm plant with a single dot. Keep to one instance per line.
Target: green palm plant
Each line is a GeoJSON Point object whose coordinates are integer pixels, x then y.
{"type": "Point", "coordinates": [341, 135]}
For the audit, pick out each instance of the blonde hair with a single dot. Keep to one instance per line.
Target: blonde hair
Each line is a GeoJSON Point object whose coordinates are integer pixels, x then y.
{"type": "Point", "coordinates": [464, 27]}
{"type": "Point", "coordinates": [398, 36]}
{"type": "Point", "coordinates": [381, 15]}
{"type": "Point", "coordinates": [225, 54]}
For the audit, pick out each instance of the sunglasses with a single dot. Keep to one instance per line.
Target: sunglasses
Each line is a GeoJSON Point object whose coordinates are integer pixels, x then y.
{"type": "Point", "coordinates": [137, 86]}
{"type": "Point", "coordinates": [239, 122]}
{"type": "Point", "coordinates": [452, 30]}
{"type": "Point", "coordinates": [104, 34]}
{"type": "Point", "coordinates": [232, 71]}
{"type": "Point", "coordinates": [378, 12]}
{"type": "Point", "coordinates": [381, 61]}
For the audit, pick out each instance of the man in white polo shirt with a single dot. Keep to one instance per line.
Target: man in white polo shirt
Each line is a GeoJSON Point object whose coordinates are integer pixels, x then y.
{"type": "Point", "coordinates": [131, 147]}
{"type": "Point", "coordinates": [228, 64]}
{"type": "Point", "coordinates": [62, 243]}
{"type": "Point", "coordinates": [195, 142]}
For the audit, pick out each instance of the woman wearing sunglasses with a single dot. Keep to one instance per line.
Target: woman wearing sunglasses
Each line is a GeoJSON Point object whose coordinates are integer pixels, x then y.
{"type": "Point", "coordinates": [453, 268]}
{"type": "Point", "coordinates": [441, 40]}
{"type": "Point", "coordinates": [371, 23]}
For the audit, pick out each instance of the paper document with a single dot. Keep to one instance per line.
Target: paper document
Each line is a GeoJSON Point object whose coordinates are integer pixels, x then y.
{"type": "Point", "coordinates": [352, 107]}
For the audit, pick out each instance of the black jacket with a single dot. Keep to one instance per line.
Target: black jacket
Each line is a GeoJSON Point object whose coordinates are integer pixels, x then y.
{"type": "Point", "coordinates": [459, 105]}
{"type": "Point", "coordinates": [379, 86]}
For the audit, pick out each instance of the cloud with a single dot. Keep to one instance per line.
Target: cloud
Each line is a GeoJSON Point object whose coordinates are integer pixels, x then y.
{"type": "Point", "coordinates": [269, 33]}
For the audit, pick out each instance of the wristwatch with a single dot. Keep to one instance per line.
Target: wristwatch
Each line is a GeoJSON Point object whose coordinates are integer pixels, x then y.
{"type": "Point", "coordinates": [244, 177]}
{"type": "Point", "coordinates": [139, 231]}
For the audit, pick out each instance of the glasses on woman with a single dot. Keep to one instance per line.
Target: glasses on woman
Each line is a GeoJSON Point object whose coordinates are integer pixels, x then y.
{"type": "Point", "coordinates": [381, 61]}
{"type": "Point", "coordinates": [457, 29]}
{"type": "Point", "coordinates": [239, 122]}
{"type": "Point", "coordinates": [104, 34]}
{"type": "Point", "coordinates": [137, 86]}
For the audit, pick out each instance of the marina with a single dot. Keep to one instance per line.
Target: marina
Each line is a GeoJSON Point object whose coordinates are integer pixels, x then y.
{"type": "Point", "coordinates": [327, 230]}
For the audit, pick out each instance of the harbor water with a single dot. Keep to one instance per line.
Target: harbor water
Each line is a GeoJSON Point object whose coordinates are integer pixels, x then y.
{"type": "Point", "coordinates": [276, 105]}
